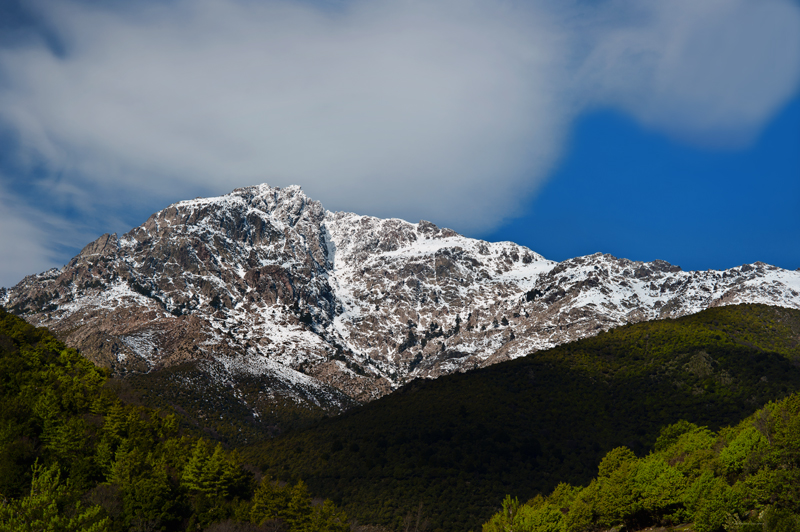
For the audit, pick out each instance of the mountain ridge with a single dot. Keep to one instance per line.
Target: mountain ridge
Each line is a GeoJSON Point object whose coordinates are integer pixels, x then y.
{"type": "Point", "coordinates": [340, 307]}
{"type": "Point", "coordinates": [458, 444]}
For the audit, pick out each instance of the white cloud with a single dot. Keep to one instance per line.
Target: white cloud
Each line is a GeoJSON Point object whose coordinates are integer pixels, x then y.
{"type": "Point", "coordinates": [453, 111]}
{"type": "Point", "coordinates": [23, 241]}
{"type": "Point", "coordinates": [711, 72]}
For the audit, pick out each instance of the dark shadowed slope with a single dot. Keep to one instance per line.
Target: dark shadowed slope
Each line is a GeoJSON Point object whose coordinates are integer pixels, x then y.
{"type": "Point", "coordinates": [460, 443]}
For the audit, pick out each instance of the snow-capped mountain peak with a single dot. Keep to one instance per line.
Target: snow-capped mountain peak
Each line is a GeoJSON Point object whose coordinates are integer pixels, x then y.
{"type": "Point", "coordinates": [337, 306]}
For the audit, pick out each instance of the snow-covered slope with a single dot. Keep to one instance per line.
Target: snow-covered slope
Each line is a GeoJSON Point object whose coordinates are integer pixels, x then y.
{"type": "Point", "coordinates": [338, 306]}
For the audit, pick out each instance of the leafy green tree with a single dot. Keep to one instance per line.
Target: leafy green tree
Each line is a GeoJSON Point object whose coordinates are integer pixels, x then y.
{"type": "Point", "coordinates": [546, 518]}
{"type": "Point", "coordinates": [581, 515]}
{"type": "Point", "coordinates": [735, 455]}
{"type": "Point", "coordinates": [750, 470]}
{"type": "Point", "coordinates": [150, 497]}
{"type": "Point", "coordinates": [780, 520]}
{"type": "Point", "coordinates": [503, 521]}
{"type": "Point", "coordinates": [692, 453]}
{"type": "Point", "coordinates": [613, 460]}
{"type": "Point", "coordinates": [616, 498]}
{"type": "Point", "coordinates": [669, 435]}
{"type": "Point", "coordinates": [713, 504]}
{"type": "Point", "coordinates": [659, 487]}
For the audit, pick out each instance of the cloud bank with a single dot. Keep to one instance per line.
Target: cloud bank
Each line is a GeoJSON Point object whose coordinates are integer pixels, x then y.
{"type": "Point", "coordinates": [447, 110]}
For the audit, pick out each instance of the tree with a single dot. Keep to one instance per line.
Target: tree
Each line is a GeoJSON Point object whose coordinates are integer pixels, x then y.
{"type": "Point", "coordinates": [48, 507]}
{"type": "Point", "coordinates": [298, 511]}
{"type": "Point", "coordinates": [328, 518]}
{"type": "Point", "coordinates": [217, 474]}
{"type": "Point", "coordinates": [504, 519]}
{"type": "Point", "coordinates": [194, 474]}
{"type": "Point", "coordinates": [269, 502]}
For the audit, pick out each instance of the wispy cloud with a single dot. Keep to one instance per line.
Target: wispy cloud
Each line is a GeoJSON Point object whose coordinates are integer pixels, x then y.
{"type": "Point", "coordinates": [711, 72]}
{"type": "Point", "coordinates": [31, 240]}
{"type": "Point", "coordinates": [447, 110]}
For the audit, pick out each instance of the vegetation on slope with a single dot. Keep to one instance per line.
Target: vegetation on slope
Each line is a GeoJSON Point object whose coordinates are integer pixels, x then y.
{"type": "Point", "coordinates": [74, 457]}
{"type": "Point", "coordinates": [458, 444]}
{"type": "Point", "coordinates": [742, 476]}
{"type": "Point", "coordinates": [217, 410]}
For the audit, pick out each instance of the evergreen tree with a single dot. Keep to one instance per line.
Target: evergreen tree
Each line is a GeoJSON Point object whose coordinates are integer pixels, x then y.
{"type": "Point", "coordinates": [49, 507]}
{"type": "Point", "coordinates": [269, 502]}
{"type": "Point", "coordinates": [328, 518]}
{"type": "Point", "coordinates": [298, 511]}
{"type": "Point", "coordinates": [194, 477]}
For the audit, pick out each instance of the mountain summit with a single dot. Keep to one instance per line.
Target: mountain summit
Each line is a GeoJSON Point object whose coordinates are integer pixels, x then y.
{"type": "Point", "coordinates": [334, 307]}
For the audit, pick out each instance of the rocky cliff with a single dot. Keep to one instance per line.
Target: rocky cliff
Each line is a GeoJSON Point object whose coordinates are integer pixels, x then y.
{"type": "Point", "coordinates": [334, 307]}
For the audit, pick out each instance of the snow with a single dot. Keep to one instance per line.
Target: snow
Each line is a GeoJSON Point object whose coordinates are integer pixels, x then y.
{"type": "Point", "coordinates": [144, 345]}
{"type": "Point", "coordinates": [343, 265]}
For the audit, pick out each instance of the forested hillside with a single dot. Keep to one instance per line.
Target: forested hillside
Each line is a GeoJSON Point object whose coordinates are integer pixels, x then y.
{"type": "Point", "coordinates": [75, 457]}
{"type": "Point", "coordinates": [458, 444]}
{"type": "Point", "coordinates": [740, 477]}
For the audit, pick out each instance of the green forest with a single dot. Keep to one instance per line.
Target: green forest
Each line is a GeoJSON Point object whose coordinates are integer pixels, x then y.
{"type": "Point", "coordinates": [73, 457]}
{"type": "Point", "coordinates": [739, 477]}
{"type": "Point", "coordinates": [650, 424]}
{"type": "Point", "coordinates": [458, 444]}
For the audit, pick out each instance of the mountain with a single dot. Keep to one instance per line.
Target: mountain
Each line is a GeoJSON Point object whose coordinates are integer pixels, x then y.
{"type": "Point", "coordinates": [458, 444]}
{"type": "Point", "coordinates": [75, 458]}
{"type": "Point", "coordinates": [264, 296]}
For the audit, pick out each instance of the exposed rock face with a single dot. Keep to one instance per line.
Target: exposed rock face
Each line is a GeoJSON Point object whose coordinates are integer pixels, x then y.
{"type": "Point", "coordinates": [342, 307]}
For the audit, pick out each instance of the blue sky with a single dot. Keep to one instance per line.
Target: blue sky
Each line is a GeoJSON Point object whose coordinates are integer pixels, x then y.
{"type": "Point", "coordinates": [635, 193]}
{"type": "Point", "coordinates": [645, 129]}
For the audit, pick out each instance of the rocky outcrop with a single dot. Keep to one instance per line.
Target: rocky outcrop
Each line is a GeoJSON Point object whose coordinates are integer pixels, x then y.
{"type": "Point", "coordinates": [341, 307]}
